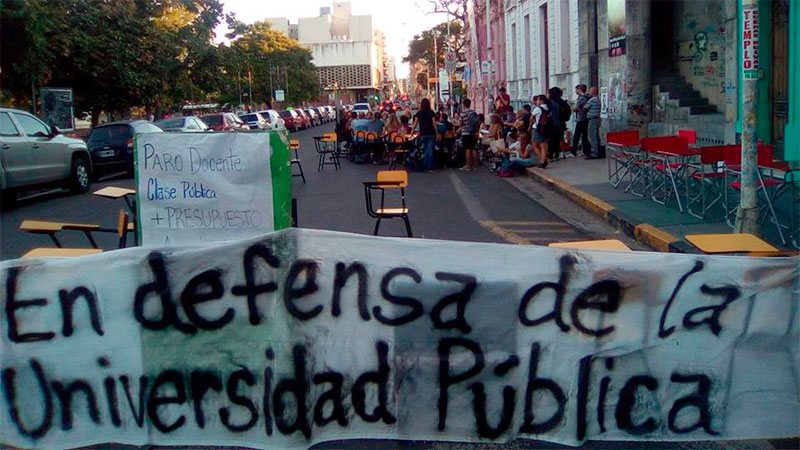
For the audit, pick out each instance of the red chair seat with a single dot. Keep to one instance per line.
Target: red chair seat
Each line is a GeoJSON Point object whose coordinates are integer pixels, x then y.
{"type": "Point", "coordinates": [708, 175]}
{"type": "Point", "coordinates": [767, 182]}
{"type": "Point", "coordinates": [671, 166]}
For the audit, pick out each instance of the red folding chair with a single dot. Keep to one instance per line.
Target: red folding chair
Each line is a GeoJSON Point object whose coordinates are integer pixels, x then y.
{"type": "Point", "coordinates": [667, 160]}
{"type": "Point", "coordinates": [622, 148]}
{"type": "Point", "coordinates": [768, 186]}
{"type": "Point", "coordinates": [707, 176]}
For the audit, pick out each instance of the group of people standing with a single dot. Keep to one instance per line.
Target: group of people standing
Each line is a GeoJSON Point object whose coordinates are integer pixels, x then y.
{"type": "Point", "coordinates": [535, 135]}
{"type": "Point", "coordinates": [587, 122]}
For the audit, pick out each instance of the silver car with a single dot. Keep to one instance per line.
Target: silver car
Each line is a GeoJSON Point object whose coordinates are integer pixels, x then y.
{"type": "Point", "coordinates": [33, 154]}
{"type": "Point", "coordinates": [188, 124]}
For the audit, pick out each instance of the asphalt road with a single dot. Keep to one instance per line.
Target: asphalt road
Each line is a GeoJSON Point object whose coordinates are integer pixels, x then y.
{"type": "Point", "coordinates": [451, 204]}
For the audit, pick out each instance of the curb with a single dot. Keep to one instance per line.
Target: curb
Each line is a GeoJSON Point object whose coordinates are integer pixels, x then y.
{"type": "Point", "coordinates": [645, 233]}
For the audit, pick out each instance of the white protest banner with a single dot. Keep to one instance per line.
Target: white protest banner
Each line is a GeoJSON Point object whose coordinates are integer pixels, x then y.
{"type": "Point", "coordinates": [197, 188]}
{"type": "Point", "coordinates": [304, 336]}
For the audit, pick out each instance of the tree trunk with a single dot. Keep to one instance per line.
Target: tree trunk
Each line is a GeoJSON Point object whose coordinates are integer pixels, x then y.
{"type": "Point", "coordinates": [747, 214]}
{"type": "Point", "coordinates": [95, 117]}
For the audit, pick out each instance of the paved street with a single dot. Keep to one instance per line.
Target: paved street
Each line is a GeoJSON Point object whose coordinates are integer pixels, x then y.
{"type": "Point", "coordinates": [451, 204]}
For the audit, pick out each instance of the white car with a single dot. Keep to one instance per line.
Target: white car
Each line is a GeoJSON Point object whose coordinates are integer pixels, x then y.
{"type": "Point", "coordinates": [362, 109]}
{"type": "Point", "coordinates": [274, 120]}
{"type": "Point", "coordinates": [331, 112]}
{"type": "Point", "coordinates": [188, 124]}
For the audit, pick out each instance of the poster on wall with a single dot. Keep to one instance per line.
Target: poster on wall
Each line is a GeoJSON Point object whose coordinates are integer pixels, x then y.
{"type": "Point", "coordinates": [616, 27]}
{"type": "Point", "coordinates": [57, 108]}
{"type": "Point", "coordinates": [750, 44]}
{"type": "Point", "coordinates": [604, 103]}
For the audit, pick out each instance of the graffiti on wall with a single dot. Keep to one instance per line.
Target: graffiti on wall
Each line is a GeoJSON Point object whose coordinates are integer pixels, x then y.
{"type": "Point", "coordinates": [617, 102]}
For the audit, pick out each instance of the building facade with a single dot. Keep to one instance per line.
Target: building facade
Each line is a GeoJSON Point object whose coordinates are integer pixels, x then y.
{"type": "Point", "coordinates": [346, 49]}
{"type": "Point", "coordinates": [660, 65]}
{"type": "Point", "coordinates": [486, 52]}
{"type": "Point", "coordinates": [542, 47]}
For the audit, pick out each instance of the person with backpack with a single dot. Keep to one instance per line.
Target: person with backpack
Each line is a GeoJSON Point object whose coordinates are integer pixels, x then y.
{"type": "Point", "coordinates": [470, 124]}
{"type": "Point", "coordinates": [542, 127]}
{"type": "Point", "coordinates": [560, 112]}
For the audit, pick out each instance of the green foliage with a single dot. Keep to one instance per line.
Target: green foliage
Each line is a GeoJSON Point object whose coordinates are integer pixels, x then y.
{"type": "Point", "coordinates": [159, 54]}
{"type": "Point", "coordinates": [263, 51]}
{"type": "Point", "coordinates": [421, 48]}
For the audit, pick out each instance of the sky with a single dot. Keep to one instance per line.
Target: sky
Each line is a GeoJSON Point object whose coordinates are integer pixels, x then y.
{"type": "Point", "coordinates": [399, 20]}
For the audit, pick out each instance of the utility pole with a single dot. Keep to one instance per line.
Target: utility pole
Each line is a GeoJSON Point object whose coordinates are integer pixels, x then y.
{"type": "Point", "coordinates": [286, 77]}
{"type": "Point", "coordinates": [435, 70]}
{"type": "Point", "coordinates": [747, 214]}
{"type": "Point", "coordinates": [271, 90]}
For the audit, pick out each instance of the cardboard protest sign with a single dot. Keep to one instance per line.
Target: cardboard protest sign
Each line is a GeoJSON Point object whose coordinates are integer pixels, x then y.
{"type": "Point", "coordinates": [207, 187]}
{"type": "Point", "coordinates": [304, 336]}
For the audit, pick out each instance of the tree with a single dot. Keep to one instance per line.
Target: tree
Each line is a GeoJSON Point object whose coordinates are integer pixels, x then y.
{"type": "Point", "coordinates": [421, 47]}
{"type": "Point", "coordinates": [259, 50]}
{"type": "Point", "coordinates": [454, 8]}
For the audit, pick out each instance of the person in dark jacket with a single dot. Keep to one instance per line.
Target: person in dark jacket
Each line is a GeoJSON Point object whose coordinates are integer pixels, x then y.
{"type": "Point", "coordinates": [558, 110]}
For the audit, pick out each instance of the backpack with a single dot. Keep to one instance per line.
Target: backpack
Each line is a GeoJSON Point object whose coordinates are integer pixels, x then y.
{"type": "Point", "coordinates": [473, 123]}
{"type": "Point", "coordinates": [545, 122]}
{"type": "Point", "coordinates": [564, 112]}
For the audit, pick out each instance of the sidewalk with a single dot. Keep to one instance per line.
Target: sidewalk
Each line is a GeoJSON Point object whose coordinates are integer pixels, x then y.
{"type": "Point", "coordinates": [663, 228]}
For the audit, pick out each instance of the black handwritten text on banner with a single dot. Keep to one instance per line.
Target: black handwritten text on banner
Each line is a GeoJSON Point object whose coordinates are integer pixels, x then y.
{"type": "Point", "coordinates": [305, 336]}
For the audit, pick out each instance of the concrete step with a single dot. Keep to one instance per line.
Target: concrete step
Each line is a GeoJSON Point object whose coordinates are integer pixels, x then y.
{"type": "Point", "coordinates": [707, 109]}
{"type": "Point", "coordinates": [692, 101]}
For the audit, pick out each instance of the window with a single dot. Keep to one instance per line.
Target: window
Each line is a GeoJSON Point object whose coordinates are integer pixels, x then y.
{"type": "Point", "coordinates": [514, 52]}
{"type": "Point", "coordinates": [564, 32]}
{"type": "Point", "coordinates": [115, 135]}
{"type": "Point", "coordinates": [191, 125]}
{"type": "Point", "coordinates": [527, 37]}
{"type": "Point", "coordinates": [31, 126]}
{"type": "Point", "coordinates": [7, 127]}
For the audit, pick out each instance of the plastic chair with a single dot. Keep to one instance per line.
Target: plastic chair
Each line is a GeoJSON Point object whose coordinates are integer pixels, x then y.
{"type": "Point", "coordinates": [388, 179]}
{"type": "Point", "coordinates": [399, 148]}
{"type": "Point", "coordinates": [327, 154]}
{"type": "Point", "coordinates": [294, 144]}
{"type": "Point", "coordinates": [60, 252]}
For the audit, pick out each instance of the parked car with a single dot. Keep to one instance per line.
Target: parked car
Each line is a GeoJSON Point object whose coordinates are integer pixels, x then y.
{"type": "Point", "coordinates": [316, 119]}
{"type": "Point", "coordinates": [305, 117]}
{"type": "Point", "coordinates": [274, 120]}
{"type": "Point", "coordinates": [188, 124]}
{"type": "Point", "coordinates": [331, 112]}
{"type": "Point", "coordinates": [325, 113]}
{"type": "Point", "coordinates": [33, 153]}
{"type": "Point", "coordinates": [224, 122]}
{"type": "Point", "coordinates": [111, 144]}
{"type": "Point", "coordinates": [290, 118]}
{"type": "Point", "coordinates": [362, 109]}
{"type": "Point", "coordinates": [255, 121]}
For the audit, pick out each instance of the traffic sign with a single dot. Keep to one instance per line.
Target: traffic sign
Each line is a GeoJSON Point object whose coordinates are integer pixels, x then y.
{"type": "Point", "coordinates": [279, 95]}
{"type": "Point", "coordinates": [450, 61]}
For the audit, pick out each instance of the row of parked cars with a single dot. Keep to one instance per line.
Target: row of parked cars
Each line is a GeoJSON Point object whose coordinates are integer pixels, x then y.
{"type": "Point", "coordinates": [34, 154]}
